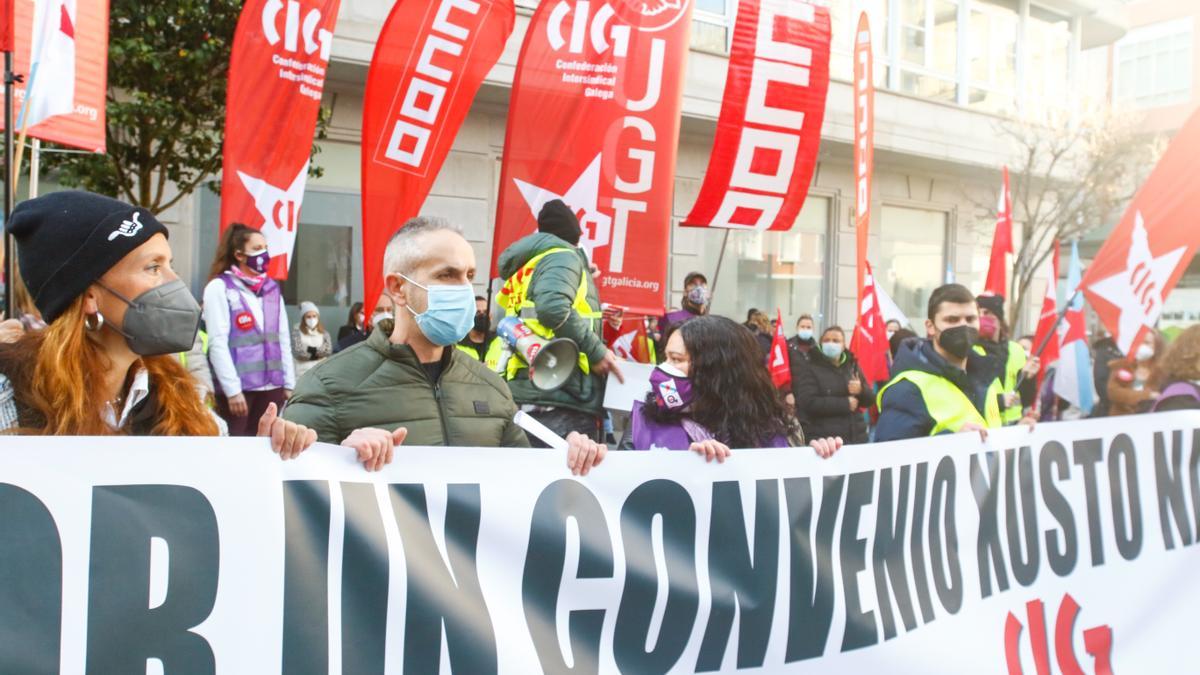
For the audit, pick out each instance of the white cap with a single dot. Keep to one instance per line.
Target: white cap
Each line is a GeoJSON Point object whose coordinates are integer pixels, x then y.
{"type": "Point", "coordinates": [306, 307]}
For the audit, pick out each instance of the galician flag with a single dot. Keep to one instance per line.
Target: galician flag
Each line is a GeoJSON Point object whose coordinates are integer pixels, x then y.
{"type": "Point", "coordinates": [51, 89]}
{"type": "Point", "coordinates": [1073, 376]}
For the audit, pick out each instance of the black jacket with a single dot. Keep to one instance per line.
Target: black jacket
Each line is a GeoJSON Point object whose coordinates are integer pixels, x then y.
{"type": "Point", "coordinates": [1104, 351]}
{"type": "Point", "coordinates": [822, 391]}
{"type": "Point", "coordinates": [902, 411]}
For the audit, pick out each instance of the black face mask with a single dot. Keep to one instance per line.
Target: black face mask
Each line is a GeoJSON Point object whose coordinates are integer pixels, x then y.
{"type": "Point", "coordinates": [481, 322]}
{"type": "Point", "coordinates": [959, 340]}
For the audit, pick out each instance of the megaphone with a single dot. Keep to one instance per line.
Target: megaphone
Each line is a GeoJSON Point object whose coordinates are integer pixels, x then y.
{"type": "Point", "coordinates": [551, 362]}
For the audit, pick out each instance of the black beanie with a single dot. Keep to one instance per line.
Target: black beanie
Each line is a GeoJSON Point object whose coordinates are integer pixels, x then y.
{"type": "Point", "coordinates": [558, 219]}
{"type": "Point", "coordinates": [67, 240]}
{"type": "Point", "coordinates": [992, 303]}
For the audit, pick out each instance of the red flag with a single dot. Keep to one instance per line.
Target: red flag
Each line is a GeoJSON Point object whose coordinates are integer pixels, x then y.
{"type": "Point", "coordinates": [84, 127]}
{"type": "Point", "coordinates": [1002, 244]}
{"type": "Point", "coordinates": [276, 76]}
{"type": "Point", "coordinates": [429, 62]}
{"type": "Point", "coordinates": [594, 120]}
{"type": "Point", "coordinates": [1048, 319]}
{"type": "Point", "coordinates": [869, 343]}
{"type": "Point", "coordinates": [780, 362]}
{"type": "Point", "coordinates": [864, 142]}
{"type": "Point", "coordinates": [769, 129]}
{"type": "Point", "coordinates": [1151, 247]}
{"type": "Point", "coordinates": [628, 338]}
{"type": "Point", "coordinates": [7, 19]}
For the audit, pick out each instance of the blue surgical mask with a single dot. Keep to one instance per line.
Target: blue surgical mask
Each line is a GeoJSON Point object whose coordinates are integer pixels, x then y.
{"type": "Point", "coordinates": [804, 334]}
{"type": "Point", "coordinates": [832, 350]}
{"type": "Point", "coordinates": [450, 313]}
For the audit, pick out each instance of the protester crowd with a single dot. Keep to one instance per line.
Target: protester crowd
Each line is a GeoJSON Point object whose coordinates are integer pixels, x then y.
{"type": "Point", "coordinates": [108, 340]}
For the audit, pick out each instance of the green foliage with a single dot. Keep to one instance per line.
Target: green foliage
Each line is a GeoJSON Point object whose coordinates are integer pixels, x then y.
{"type": "Point", "coordinates": [167, 73]}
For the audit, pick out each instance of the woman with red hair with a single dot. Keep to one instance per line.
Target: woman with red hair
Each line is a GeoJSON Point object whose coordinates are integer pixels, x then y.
{"type": "Point", "coordinates": [99, 270]}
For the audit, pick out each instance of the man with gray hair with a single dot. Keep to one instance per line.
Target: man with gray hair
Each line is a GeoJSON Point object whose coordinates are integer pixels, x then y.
{"type": "Point", "coordinates": [406, 383]}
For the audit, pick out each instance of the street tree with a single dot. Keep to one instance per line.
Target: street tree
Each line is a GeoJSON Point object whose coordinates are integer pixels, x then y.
{"type": "Point", "coordinates": [167, 74]}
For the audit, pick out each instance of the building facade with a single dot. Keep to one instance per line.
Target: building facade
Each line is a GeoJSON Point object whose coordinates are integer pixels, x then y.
{"type": "Point", "coordinates": [947, 73]}
{"type": "Point", "coordinates": [1153, 73]}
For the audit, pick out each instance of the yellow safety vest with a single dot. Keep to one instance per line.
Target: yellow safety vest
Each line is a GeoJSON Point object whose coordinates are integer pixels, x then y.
{"type": "Point", "coordinates": [514, 299]}
{"type": "Point", "coordinates": [1012, 372]}
{"type": "Point", "coordinates": [949, 407]}
{"type": "Point", "coordinates": [469, 351]}
{"type": "Point", "coordinates": [203, 347]}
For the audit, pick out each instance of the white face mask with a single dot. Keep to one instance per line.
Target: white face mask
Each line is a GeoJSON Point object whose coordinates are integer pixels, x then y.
{"type": "Point", "coordinates": [311, 322]}
{"type": "Point", "coordinates": [1144, 352]}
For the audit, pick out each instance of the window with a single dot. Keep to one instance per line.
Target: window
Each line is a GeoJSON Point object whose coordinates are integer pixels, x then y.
{"type": "Point", "coordinates": [326, 268]}
{"type": "Point", "coordinates": [769, 270]}
{"type": "Point", "coordinates": [1049, 36]}
{"type": "Point", "coordinates": [320, 272]}
{"type": "Point", "coordinates": [910, 259]}
{"type": "Point", "coordinates": [929, 48]}
{"type": "Point", "coordinates": [844, 15]}
{"type": "Point", "coordinates": [711, 25]}
{"type": "Point", "coordinates": [1154, 65]}
{"type": "Point", "coordinates": [992, 55]}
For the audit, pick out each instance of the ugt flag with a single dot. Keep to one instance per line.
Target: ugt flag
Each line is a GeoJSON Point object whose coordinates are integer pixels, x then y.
{"type": "Point", "coordinates": [1150, 248]}
{"type": "Point", "coordinates": [594, 121]}
{"type": "Point", "coordinates": [51, 86]}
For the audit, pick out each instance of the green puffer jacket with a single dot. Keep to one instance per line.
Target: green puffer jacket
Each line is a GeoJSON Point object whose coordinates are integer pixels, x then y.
{"type": "Point", "coordinates": [552, 290]}
{"type": "Point", "coordinates": [382, 385]}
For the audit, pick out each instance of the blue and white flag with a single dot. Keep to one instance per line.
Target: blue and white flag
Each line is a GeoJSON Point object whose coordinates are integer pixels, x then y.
{"type": "Point", "coordinates": [51, 88]}
{"type": "Point", "coordinates": [1073, 375]}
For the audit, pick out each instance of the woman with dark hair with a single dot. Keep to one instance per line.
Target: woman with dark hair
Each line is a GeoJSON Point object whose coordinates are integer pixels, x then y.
{"type": "Point", "coordinates": [355, 323]}
{"type": "Point", "coordinates": [99, 272]}
{"type": "Point", "coordinates": [1178, 376]}
{"type": "Point", "coordinates": [713, 393]}
{"type": "Point", "coordinates": [248, 335]}
{"type": "Point", "coordinates": [830, 393]}
{"type": "Point", "coordinates": [1130, 379]}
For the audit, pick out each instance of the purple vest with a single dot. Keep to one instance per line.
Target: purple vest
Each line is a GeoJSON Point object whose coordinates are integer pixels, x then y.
{"type": "Point", "coordinates": [647, 433]}
{"type": "Point", "coordinates": [256, 351]}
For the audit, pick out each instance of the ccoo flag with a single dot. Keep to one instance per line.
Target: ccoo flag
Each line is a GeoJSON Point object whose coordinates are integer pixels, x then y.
{"type": "Point", "coordinates": [429, 61]}
{"type": "Point", "coordinates": [769, 130]}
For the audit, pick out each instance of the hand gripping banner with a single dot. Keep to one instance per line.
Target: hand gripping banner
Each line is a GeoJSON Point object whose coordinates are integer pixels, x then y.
{"type": "Point", "coordinates": [429, 62]}
{"type": "Point", "coordinates": [769, 130]}
{"type": "Point", "coordinates": [276, 76]}
{"type": "Point", "coordinates": [1074, 545]}
{"type": "Point", "coordinates": [594, 121]}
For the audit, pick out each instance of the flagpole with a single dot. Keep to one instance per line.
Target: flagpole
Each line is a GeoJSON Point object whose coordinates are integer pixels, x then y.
{"type": "Point", "coordinates": [9, 80]}
{"type": "Point", "coordinates": [720, 259]}
{"type": "Point", "coordinates": [35, 167]}
{"type": "Point", "coordinates": [1052, 332]}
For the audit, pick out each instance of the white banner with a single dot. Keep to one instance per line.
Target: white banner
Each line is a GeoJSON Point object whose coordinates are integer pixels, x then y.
{"type": "Point", "coordinates": [1069, 549]}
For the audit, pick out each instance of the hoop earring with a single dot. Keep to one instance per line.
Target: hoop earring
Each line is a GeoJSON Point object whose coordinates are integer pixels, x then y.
{"type": "Point", "coordinates": [87, 324]}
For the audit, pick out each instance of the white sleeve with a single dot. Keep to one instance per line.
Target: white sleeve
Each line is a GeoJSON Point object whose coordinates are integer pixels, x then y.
{"type": "Point", "coordinates": [216, 320]}
{"type": "Point", "coordinates": [285, 347]}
